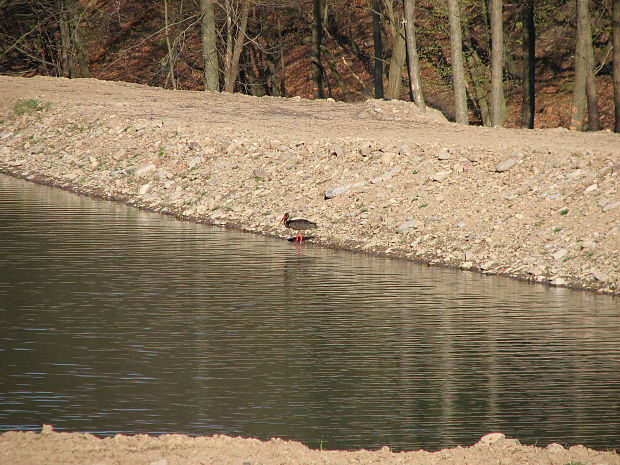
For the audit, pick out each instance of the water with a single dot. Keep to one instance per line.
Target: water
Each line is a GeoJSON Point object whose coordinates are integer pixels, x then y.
{"type": "Point", "coordinates": [114, 320]}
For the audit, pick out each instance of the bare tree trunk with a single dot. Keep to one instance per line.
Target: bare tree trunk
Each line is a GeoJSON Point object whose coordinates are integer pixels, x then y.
{"type": "Point", "coordinates": [233, 70]}
{"type": "Point", "coordinates": [209, 45]}
{"type": "Point", "coordinates": [66, 56]}
{"type": "Point", "coordinates": [376, 36]}
{"type": "Point", "coordinates": [615, 14]}
{"type": "Point", "coordinates": [412, 56]}
{"type": "Point", "coordinates": [331, 62]}
{"type": "Point", "coordinates": [529, 65]}
{"type": "Point", "coordinates": [479, 83]}
{"type": "Point", "coordinates": [398, 58]}
{"type": "Point", "coordinates": [581, 62]}
{"type": "Point", "coordinates": [229, 40]}
{"type": "Point", "coordinates": [458, 70]}
{"type": "Point", "coordinates": [170, 57]}
{"type": "Point", "coordinates": [497, 67]}
{"type": "Point", "coordinates": [594, 122]}
{"type": "Point", "coordinates": [81, 56]}
{"type": "Point", "coordinates": [317, 39]}
{"type": "Point", "coordinates": [282, 86]}
{"type": "Point", "coordinates": [78, 60]}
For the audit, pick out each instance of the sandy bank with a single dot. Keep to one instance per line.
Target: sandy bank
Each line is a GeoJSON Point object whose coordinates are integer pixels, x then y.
{"type": "Point", "coordinates": [51, 448]}
{"type": "Point", "coordinates": [378, 177]}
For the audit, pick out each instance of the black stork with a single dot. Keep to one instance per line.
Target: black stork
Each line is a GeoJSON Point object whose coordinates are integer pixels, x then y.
{"type": "Point", "coordinates": [298, 225]}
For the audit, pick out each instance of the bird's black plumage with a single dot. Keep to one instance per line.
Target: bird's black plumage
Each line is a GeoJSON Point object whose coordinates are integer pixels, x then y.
{"type": "Point", "coordinates": [297, 224]}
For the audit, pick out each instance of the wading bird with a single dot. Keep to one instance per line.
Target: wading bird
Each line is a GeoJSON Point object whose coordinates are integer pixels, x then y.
{"type": "Point", "coordinates": [298, 225]}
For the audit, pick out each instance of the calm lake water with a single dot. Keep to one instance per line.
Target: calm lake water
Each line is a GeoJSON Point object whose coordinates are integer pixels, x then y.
{"type": "Point", "coordinates": [114, 320]}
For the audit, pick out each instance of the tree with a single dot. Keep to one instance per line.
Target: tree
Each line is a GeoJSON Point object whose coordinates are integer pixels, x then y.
{"type": "Point", "coordinates": [594, 122]}
{"type": "Point", "coordinates": [72, 57]}
{"type": "Point", "coordinates": [412, 56]}
{"type": "Point", "coordinates": [497, 66]}
{"type": "Point", "coordinates": [615, 15]}
{"type": "Point", "coordinates": [376, 36]}
{"type": "Point", "coordinates": [209, 45]}
{"type": "Point", "coordinates": [397, 60]}
{"type": "Point", "coordinates": [171, 56]}
{"type": "Point", "coordinates": [458, 70]}
{"type": "Point", "coordinates": [234, 46]}
{"type": "Point", "coordinates": [529, 65]}
{"type": "Point", "coordinates": [582, 98]}
{"type": "Point", "coordinates": [317, 39]}
{"type": "Point", "coordinates": [475, 69]}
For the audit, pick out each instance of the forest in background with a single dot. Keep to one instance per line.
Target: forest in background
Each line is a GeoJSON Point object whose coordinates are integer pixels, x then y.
{"type": "Point", "coordinates": [346, 50]}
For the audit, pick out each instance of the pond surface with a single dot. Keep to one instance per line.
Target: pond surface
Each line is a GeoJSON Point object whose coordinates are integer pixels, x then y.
{"type": "Point", "coordinates": [114, 320]}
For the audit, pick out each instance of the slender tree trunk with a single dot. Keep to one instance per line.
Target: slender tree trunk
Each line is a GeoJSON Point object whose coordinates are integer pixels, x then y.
{"type": "Point", "coordinates": [412, 56]}
{"type": "Point", "coordinates": [317, 39]}
{"type": "Point", "coordinates": [76, 56]}
{"type": "Point", "coordinates": [331, 63]}
{"type": "Point", "coordinates": [529, 65]}
{"type": "Point", "coordinates": [170, 58]}
{"type": "Point", "coordinates": [229, 41]}
{"type": "Point", "coordinates": [497, 67]}
{"type": "Point", "coordinates": [475, 69]}
{"type": "Point", "coordinates": [398, 58]}
{"type": "Point", "coordinates": [66, 57]}
{"type": "Point", "coordinates": [581, 63]}
{"type": "Point", "coordinates": [81, 56]}
{"type": "Point", "coordinates": [458, 70]}
{"type": "Point", "coordinates": [233, 71]}
{"type": "Point", "coordinates": [376, 36]}
{"type": "Point", "coordinates": [208, 43]}
{"type": "Point", "coordinates": [616, 59]}
{"type": "Point", "coordinates": [594, 122]}
{"type": "Point", "coordinates": [282, 61]}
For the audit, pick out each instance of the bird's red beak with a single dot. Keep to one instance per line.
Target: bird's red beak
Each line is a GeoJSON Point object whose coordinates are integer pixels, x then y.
{"type": "Point", "coordinates": [282, 220]}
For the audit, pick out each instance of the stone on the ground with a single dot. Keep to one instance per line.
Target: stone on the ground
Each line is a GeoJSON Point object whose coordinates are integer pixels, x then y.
{"type": "Point", "coordinates": [506, 165]}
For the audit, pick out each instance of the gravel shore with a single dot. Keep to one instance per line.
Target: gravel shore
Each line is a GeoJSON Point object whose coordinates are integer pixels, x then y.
{"type": "Point", "coordinates": [377, 177]}
{"type": "Point", "coordinates": [52, 448]}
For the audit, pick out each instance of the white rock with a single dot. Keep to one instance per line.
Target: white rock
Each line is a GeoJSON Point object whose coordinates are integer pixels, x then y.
{"type": "Point", "coordinates": [144, 189]}
{"type": "Point", "coordinates": [611, 206]}
{"type": "Point", "coordinates": [575, 174]}
{"type": "Point", "coordinates": [441, 175]}
{"type": "Point", "coordinates": [195, 162]}
{"type": "Point", "coordinates": [387, 175]}
{"type": "Point", "coordinates": [560, 254]}
{"type": "Point", "coordinates": [555, 447]}
{"type": "Point", "coordinates": [443, 155]}
{"type": "Point", "coordinates": [505, 165]}
{"type": "Point", "coordinates": [492, 438]}
{"type": "Point", "coordinates": [47, 429]}
{"type": "Point", "coordinates": [599, 275]}
{"type": "Point", "coordinates": [591, 188]}
{"type": "Point", "coordinates": [559, 282]}
{"type": "Point", "coordinates": [588, 244]}
{"type": "Point", "coordinates": [144, 170]}
{"type": "Point", "coordinates": [412, 223]}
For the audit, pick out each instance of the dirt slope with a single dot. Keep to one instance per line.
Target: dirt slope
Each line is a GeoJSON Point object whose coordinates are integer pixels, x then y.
{"type": "Point", "coordinates": [50, 448]}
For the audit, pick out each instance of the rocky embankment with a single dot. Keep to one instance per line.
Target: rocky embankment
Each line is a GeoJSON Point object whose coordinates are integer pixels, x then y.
{"type": "Point", "coordinates": [377, 176]}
